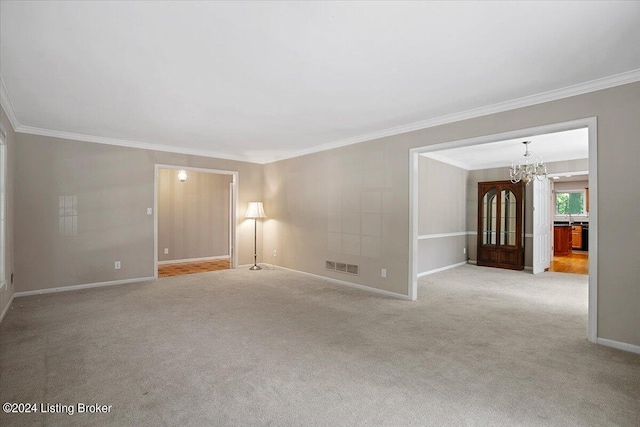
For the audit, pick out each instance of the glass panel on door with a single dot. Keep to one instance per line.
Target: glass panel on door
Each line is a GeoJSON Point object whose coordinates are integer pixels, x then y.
{"type": "Point", "coordinates": [508, 218]}
{"type": "Point", "coordinates": [489, 219]}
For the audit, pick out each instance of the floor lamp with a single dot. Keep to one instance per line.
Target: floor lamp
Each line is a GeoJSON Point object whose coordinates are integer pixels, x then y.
{"type": "Point", "coordinates": [254, 212]}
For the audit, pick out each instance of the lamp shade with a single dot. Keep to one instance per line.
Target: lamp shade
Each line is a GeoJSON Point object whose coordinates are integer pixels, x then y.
{"type": "Point", "coordinates": [255, 210]}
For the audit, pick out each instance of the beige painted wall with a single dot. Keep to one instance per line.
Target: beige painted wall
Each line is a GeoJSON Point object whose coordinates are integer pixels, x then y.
{"type": "Point", "coordinates": [193, 216]}
{"type": "Point", "coordinates": [339, 205]}
{"type": "Point", "coordinates": [442, 203]}
{"type": "Point", "coordinates": [8, 291]}
{"type": "Point", "coordinates": [306, 197]}
{"type": "Point", "coordinates": [114, 186]}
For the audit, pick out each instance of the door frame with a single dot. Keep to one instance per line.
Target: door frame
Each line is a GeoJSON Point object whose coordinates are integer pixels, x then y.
{"type": "Point", "coordinates": [591, 124]}
{"type": "Point", "coordinates": [233, 236]}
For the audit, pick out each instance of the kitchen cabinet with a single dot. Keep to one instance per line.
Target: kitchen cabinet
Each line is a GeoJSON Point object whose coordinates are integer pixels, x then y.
{"type": "Point", "coordinates": [562, 235]}
{"type": "Point", "coordinates": [576, 237]}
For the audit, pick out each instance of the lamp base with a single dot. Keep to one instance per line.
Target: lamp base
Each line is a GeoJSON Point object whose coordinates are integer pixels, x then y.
{"type": "Point", "coordinates": [255, 267]}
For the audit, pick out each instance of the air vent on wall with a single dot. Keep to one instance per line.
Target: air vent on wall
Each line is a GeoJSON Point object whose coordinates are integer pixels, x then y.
{"type": "Point", "coordinates": [341, 267]}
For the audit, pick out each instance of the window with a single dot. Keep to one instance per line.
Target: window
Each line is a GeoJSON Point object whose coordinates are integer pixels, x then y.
{"type": "Point", "coordinates": [570, 203]}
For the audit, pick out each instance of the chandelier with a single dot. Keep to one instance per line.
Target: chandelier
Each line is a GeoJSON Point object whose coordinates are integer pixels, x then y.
{"type": "Point", "coordinates": [527, 172]}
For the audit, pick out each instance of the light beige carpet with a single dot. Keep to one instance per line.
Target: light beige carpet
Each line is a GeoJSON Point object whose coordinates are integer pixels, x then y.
{"type": "Point", "coordinates": [239, 348]}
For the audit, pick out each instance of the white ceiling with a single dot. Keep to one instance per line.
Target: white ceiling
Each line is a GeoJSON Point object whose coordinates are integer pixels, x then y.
{"type": "Point", "coordinates": [265, 80]}
{"type": "Point", "coordinates": [551, 147]}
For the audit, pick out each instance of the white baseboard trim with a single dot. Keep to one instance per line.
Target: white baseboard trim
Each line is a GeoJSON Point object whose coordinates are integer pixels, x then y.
{"type": "Point", "coordinates": [437, 270]}
{"type": "Point", "coordinates": [85, 286]}
{"type": "Point", "coordinates": [264, 265]}
{"type": "Point", "coordinates": [349, 284]}
{"type": "Point", "coordinates": [6, 309]}
{"type": "Point", "coordinates": [474, 262]}
{"type": "Point", "coordinates": [206, 258]}
{"type": "Point", "coordinates": [619, 345]}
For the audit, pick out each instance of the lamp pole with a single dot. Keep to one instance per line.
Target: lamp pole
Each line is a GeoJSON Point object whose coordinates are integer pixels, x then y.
{"type": "Point", "coordinates": [255, 246]}
{"type": "Point", "coordinates": [254, 212]}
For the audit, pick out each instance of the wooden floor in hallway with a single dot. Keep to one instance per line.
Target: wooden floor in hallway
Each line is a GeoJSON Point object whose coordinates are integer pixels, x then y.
{"type": "Point", "coordinates": [576, 263]}
{"type": "Point", "coordinates": [178, 269]}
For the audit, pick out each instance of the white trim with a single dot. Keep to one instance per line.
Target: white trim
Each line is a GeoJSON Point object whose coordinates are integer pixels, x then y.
{"type": "Point", "coordinates": [414, 166]}
{"type": "Point", "coordinates": [437, 270]}
{"type": "Point", "coordinates": [440, 235]}
{"type": "Point", "coordinates": [206, 258]}
{"type": "Point", "coordinates": [553, 95]}
{"type": "Point", "coordinates": [249, 265]}
{"type": "Point", "coordinates": [591, 124]}
{"type": "Point", "coordinates": [474, 262]}
{"type": "Point", "coordinates": [193, 169]}
{"type": "Point", "coordinates": [131, 144]}
{"type": "Point", "coordinates": [234, 207]}
{"type": "Point", "coordinates": [561, 174]}
{"type": "Point", "coordinates": [349, 284]}
{"type": "Point", "coordinates": [514, 134]}
{"type": "Point", "coordinates": [527, 101]}
{"type": "Point", "coordinates": [6, 309]}
{"type": "Point", "coordinates": [619, 345]}
{"type": "Point", "coordinates": [85, 286]}
{"type": "Point", "coordinates": [3, 204]}
{"type": "Point", "coordinates": [7, 105]}
{"type": "Point", "coordinates": [592, 328]}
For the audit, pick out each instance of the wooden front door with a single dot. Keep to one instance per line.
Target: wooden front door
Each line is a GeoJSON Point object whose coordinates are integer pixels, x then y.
{"type": "Point", "coordinates": [500, 225]}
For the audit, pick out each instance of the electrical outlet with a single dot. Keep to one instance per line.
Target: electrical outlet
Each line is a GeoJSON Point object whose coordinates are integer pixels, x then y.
{"type": "Point", "coordinates": [383, 272]}
{"type": "Point", "coordinates": [275, 253]}
{"type": "Point", "coordinates": [117, 265]}
{"type": "Point", "coordinates": [464, 250]}
{"type": "Point", "coordinates": [166, 251]}
{"type": "Point", "coordinates": [149, 211]}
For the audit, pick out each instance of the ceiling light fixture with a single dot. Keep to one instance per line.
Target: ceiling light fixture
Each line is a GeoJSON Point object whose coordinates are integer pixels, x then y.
{"type": "Point", "coordinates": [182, 175]}
{"type": "Point", "coordinates": [527, 172]}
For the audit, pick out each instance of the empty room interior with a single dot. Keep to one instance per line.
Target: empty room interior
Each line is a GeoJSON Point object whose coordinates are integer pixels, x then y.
{"type": "Point", "coordinates": [319, 213]}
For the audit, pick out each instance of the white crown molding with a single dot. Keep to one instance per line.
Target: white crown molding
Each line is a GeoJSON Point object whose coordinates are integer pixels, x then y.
{"type": "Point", "coordinates": [527, 101]}
{"type": "Point", "coordinates": [130, 144]}
{"type": "Point", "coordinates": [7, 105]}
{"type": "Point", "coordinates": [553, 95]}
{"type": "Point", "coordinates": [435, 156]}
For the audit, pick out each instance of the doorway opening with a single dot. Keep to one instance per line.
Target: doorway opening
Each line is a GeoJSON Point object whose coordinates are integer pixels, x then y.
{"type": "Point", "coordinates": [570, 210]}
{"type": "Point", "coordinates": [541, 234]}
{"type": "Point", "coordinates": [194, 220]}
